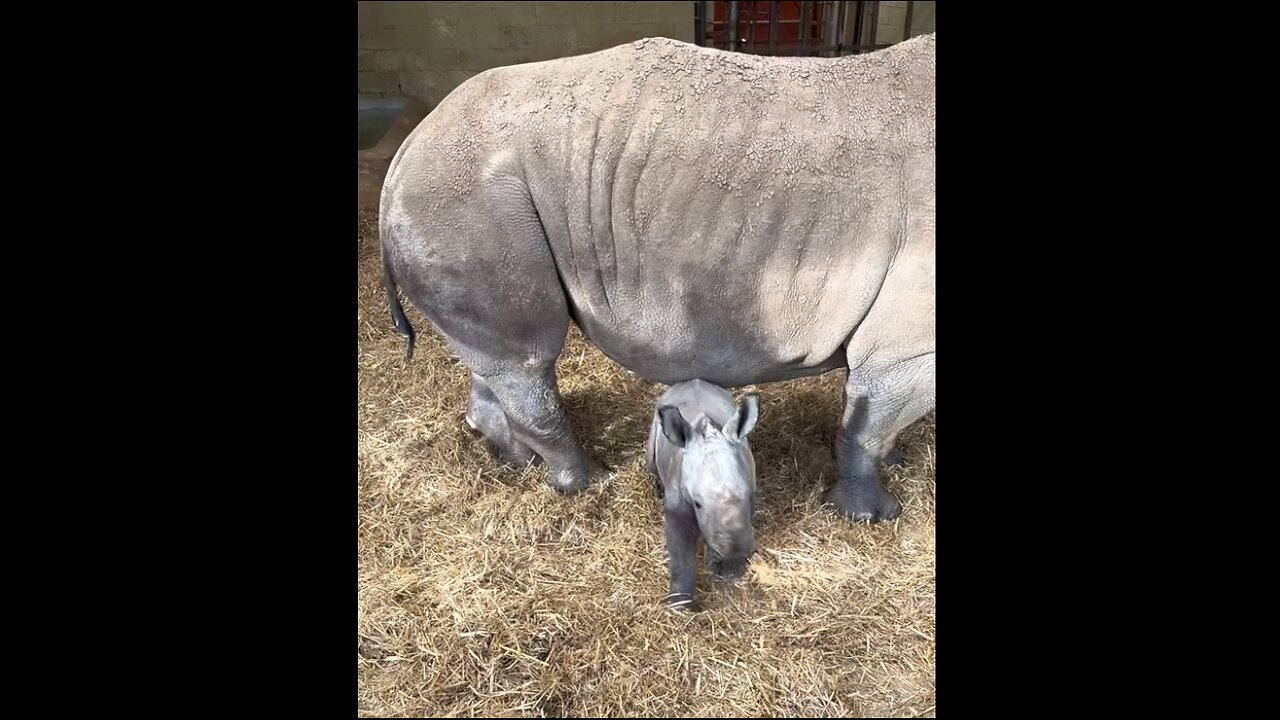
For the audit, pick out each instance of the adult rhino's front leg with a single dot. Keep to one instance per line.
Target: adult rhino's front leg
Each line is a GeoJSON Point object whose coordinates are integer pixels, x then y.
{"type": "Point", "coordinates": [879, 404]}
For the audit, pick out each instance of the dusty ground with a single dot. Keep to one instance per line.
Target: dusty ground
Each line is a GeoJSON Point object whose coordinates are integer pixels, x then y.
{"type": "Point", "coordinates": [483, 593]}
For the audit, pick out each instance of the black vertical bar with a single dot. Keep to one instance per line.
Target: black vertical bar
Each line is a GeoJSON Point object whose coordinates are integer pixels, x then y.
{"type": "Point", "coordinates": [906, 33]}
{"type": "Point", "coordinates": [751, 28]}
{"type": "Point", "coordinates": [699, 25]}
{"type": "Point", "coordinates": [857, 26]}
{"type": "Point", "coordinates": [806, 17]}
{"type": "Point", "coordinates": [773, 25]}
{"type": "Point", "coordinates": [733, 25]}
{"type": "Point", "coordinates": [871, 26]}
{"type": "Point", "coordinates": [825, 21]}
{"type": "Point", "coordinates": [839, 38]}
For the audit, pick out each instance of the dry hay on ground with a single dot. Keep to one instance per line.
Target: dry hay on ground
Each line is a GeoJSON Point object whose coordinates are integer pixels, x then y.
{"type": "Point", "coordinates": [483, 593]}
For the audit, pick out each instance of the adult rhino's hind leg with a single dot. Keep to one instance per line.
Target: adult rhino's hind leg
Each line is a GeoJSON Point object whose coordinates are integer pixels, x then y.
{"type": "Point", "coordinates": [486, 416]}
{"type": "Point", "coordinates": [538, 419]}
{"type": "Point", "coordinates": [878, 406]}
{"type": "Point", "coordinates": [481, 269]}
{"type": "Point", "coordinates": [894, 457]}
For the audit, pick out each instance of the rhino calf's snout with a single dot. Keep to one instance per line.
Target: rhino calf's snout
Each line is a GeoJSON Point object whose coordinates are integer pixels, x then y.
{"type": "Point", "coordinates": [729, 559]}
{"type": "Point", "coordinates": [733, 546]}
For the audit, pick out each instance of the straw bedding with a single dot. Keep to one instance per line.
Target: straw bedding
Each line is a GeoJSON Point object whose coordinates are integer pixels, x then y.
{"type": "Point", "coordinates": [484, 593]}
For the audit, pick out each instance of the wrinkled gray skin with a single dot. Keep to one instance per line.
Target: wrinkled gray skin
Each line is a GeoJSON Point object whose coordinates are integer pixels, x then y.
{"type": "Point", "coordinates": [698, 213]}
{"type": "Point", "coordinates": [706, 476]}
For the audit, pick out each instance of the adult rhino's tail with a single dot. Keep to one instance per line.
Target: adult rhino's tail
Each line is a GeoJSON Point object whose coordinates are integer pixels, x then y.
{"type": "Point", "coordinates": [397, 310]}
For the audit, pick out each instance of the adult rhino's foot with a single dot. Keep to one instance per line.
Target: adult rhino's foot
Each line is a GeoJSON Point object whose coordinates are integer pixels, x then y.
{"type": "Point", "coordinates": [864, 502]}
{"type": "Point", "coordinates": [501, 443]}
{"type": "Point", "coordinates": [518, 460]}
{"type": "Point", "coordinates": [575, 479]}
{"type": "Point", "coordinates": [894, 457]}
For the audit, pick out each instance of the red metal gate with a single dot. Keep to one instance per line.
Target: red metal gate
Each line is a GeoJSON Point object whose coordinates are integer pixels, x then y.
{"type": "Point", "coordinates": [791, 27]}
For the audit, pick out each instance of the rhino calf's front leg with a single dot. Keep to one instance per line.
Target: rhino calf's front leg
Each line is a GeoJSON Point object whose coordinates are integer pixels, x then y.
{"type": "Point", "coordinates": [682, 545]}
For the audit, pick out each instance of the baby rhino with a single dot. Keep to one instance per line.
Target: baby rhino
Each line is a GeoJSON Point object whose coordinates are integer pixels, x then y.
{"type": "Point", "coordinates": [698, 452]}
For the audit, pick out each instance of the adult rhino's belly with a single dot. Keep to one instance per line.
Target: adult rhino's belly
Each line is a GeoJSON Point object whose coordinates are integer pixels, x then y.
{"type": "Point", "coordinates": [734, 310]}
{"type": "Point", "coordinates": [670, 349]}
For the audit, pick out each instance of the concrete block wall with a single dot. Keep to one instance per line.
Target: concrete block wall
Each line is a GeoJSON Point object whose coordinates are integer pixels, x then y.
{"type": "Point", "coordinates": [426, 49]}
{"type": "Point", "coordinates": [893, 15]}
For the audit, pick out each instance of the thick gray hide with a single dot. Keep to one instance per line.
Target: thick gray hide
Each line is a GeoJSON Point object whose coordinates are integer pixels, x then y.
{"type": "Point", "coordinates": [698, 213]}
{"type": "Point", "coordinates": [699, 454]}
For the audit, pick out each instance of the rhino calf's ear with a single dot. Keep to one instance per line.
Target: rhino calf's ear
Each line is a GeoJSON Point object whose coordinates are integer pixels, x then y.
{"type": "Point", "coordinates": [743, 420]}
{"type": "Point", "coordinates": [674, 426]}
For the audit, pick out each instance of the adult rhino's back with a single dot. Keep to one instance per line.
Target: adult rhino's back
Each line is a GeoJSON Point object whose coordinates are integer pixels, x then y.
{"type": "Point", "coordinates": [707, 213]}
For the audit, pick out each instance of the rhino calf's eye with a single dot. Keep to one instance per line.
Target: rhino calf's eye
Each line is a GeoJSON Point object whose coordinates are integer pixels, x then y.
{"type": "Point", "coordinates": [697, 505]}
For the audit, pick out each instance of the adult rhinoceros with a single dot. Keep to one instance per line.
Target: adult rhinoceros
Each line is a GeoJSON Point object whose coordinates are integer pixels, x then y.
{"type": "Point", "coordinates": [699, 214]}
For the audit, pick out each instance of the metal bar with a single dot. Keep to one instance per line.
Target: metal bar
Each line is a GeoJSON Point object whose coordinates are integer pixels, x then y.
{"type": "Point", "coordinates": [857, 27]}
{"type": "Point", "coordinates": [773, 25]}
{"type": "Point", "coordinates": [699, 25]}
{"type": "Point", "coordinates": [806, 19]}
{"type": "Point", "coordinates": [751, 27]}
{"type": "Point", "coordinates": [733, 25]}
{"type": "Point", "coordinates": [871, 25]}
{"type": "Point", "coordinates": [830, 14]}
{"type": "Point", "coordinates": [839, 36]}
{"type": "Point", "coordinates": [792, 48]}
{"type": "Point", "coordinates": [906, 32]}
{"type": "Point", "coordinates": [780, 22]}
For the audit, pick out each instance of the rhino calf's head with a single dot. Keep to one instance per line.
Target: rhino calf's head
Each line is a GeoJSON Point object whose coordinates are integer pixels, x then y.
{"type": "Point", "coordinates": [717, 477]}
